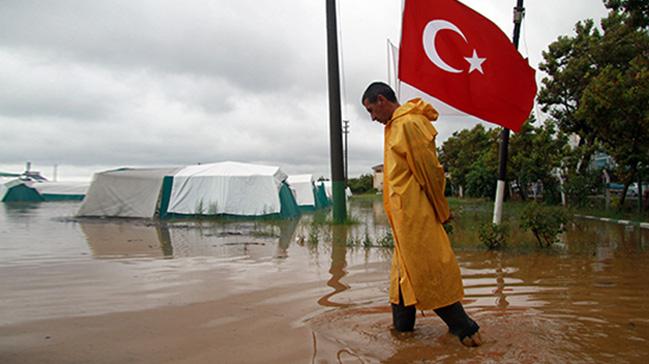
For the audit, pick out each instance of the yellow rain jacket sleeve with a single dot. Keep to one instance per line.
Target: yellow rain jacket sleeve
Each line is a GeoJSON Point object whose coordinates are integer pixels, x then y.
{"type": "Point", "coordinates": [423, 265]}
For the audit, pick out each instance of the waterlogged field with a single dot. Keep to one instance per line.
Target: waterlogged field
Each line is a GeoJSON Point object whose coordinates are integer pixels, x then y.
{"type": "Point", "coordinates": [582, 300]}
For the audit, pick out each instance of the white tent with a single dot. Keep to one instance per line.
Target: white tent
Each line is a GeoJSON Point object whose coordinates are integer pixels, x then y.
{"type": "Point", "coordinates": [303, 185]}
{"type": "Point", "coordinates": [61, 190]}
{"type": "Point", "coordinates": [229, 188]}
{"type": "Point", "coordinates": [125, 192]}
{"type": "Point", "coordinates": [329, 189]}
{"type": "Point", "coordinates": [3, 188]}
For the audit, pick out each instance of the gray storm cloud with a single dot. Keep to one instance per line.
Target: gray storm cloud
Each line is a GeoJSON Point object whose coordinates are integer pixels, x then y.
{"type": "Point", "coordinates": [94, 84]}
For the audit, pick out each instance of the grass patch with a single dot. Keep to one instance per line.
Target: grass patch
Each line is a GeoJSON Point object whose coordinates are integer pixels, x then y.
{"type": "Point", "coordinates": [514, 209]}
{"type": "Point", "coordinates": [326, 218]}
{"type": "Point", "coordinates": [384, 240]}
{"type": "Point", "coordinates": [614, 214]}
{"type": "Point", "coordinates": [367, 196]}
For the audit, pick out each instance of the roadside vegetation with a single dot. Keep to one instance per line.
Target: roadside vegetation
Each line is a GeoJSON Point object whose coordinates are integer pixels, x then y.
{"type": "Point", "coordinates": [362, 185]}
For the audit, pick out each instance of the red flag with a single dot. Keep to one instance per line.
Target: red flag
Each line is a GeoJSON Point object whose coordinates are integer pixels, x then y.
{"type": "Point", "coordinates": [456, 55]}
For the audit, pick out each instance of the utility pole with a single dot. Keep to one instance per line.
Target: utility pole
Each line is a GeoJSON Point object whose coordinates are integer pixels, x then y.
{"type": "Point", "coordinates": [345, 133]}
{"type": "Point", "coordinates": [640, 202]}
{"type": "Point", "coordinates": [519, 12]}
{"type": "Point", "coordinates": [335, 117]}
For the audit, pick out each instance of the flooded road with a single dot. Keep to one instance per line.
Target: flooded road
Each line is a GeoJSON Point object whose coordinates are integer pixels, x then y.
{"type": "Point", "coordinates": [324, 287]}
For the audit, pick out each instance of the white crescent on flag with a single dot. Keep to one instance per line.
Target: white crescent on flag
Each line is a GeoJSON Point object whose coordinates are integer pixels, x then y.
{"type": "Point", "coordinates": [430, 32]}
{"type": "Point", "coordinates": [428, 39]}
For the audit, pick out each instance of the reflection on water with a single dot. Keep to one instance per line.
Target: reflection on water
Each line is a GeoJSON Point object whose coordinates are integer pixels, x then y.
{"type": "Point", "coordinates": [582, 301]}
{"type": "Point", "coordinates": [127, 240]}
{"type": "Point", "coordinates": [124, 239]}
{"type": "Point", "coordinates": [534, 307]}
{"type": "Point", "coordinates": [338, 265]}
{"type": "Point", "coordinates": [54, 265]}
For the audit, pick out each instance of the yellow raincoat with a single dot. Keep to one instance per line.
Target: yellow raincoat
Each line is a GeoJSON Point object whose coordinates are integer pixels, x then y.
{"type": "Point", "coordinates": [423, 263]}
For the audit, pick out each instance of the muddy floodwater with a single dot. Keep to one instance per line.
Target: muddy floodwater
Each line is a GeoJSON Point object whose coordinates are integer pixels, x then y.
{"type": "Point", "coordinates": [108, 290]}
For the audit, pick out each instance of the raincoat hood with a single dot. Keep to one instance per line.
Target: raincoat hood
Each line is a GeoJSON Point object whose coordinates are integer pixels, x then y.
{"type": "Point", "coordinates": [416, 107]}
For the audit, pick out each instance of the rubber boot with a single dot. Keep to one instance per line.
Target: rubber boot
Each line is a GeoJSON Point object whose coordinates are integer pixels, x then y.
{"type": "Point", "coordinates": [403, 317]}
{"type": "Point", "coordinates": [458, 322]}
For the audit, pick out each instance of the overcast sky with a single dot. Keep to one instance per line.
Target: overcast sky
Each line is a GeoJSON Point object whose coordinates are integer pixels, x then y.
{"type": "Point", "coordinates": [92, 85]}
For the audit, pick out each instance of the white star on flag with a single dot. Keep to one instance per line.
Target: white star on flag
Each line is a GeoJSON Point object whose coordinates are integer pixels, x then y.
{"type": "Point", "coordinates": [475, 62]}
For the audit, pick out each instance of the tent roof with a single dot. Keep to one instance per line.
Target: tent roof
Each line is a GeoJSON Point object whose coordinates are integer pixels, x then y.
{"type": "Point", "coordinates": [233, 169]}
{"type": "Point", "coordinates": [7, 174]}
{"type": "Point", "coordinates": [229, 169]}
{"type": "Point", "coordinates": [63, 188]}
{"type": "Point", "coordinates": [300, 178]}
{"type": "Point", "coordinates": [141, 172]}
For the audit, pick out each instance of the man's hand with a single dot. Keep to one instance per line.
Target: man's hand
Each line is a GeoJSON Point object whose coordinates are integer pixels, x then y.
{"type": "Point", "coordinates": [450, 217]}
{"type": "Point", "coordinates": [447, 224]}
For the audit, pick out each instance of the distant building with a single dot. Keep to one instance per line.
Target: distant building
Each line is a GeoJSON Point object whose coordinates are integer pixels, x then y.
{"type": "Point", "coordinates": [601, 160]}
{"type": "Point", "coordinates": [377, 180]}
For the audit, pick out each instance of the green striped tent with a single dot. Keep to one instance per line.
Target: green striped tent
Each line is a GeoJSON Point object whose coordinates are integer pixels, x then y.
{"type": "Point", "coordinates": [17, 190]}
{"type": "Point", "coordinates": [226, 189]}
{"type": "Point", "coordinates": [308, 196]}
{"type": "Point", "coordinates": [27, 190]}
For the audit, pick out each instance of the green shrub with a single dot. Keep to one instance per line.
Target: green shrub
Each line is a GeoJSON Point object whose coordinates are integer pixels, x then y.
{"type": "Point", "coordinates": [386, 241]}
{"type": "Point", "coordinates": [493, 236]}
{"type": "Point", "coordinates": [545, 222]}
{"type": "Point", "coordinates": [481, 180]}
{"type": "Point", "coordinates": [367, 241]}
{"type": "Point", "coordinates": [579, 187]}
{"type": "Point", "coordinates": [314, 235]}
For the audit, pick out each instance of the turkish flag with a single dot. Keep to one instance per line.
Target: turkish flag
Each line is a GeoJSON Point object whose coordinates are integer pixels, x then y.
{"type": "Point", "coordinates": [456, 55]}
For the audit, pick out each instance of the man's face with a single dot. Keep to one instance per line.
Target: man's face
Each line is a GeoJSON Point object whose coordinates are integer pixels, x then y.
{"type": "Point", "coordinates": [380, 110]}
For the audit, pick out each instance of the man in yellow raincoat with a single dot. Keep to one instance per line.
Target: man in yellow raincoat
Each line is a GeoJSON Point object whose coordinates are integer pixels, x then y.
{"type": "Point", "coordinates": [424, 271]}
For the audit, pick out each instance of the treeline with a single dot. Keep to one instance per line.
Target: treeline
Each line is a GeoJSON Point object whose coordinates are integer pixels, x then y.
{"type": "Point", "coordinates": [596, 93]}
{"type": "Point", "coordinates": [362, 184]}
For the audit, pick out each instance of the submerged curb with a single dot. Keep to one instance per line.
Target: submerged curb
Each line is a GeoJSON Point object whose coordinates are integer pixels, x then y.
{"type": "Point", "coordinates": [644, 225]}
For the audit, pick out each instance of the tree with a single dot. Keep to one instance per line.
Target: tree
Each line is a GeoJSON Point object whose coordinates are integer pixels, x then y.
{"type": "Point", "coordinates": [598, 87]}
{"type": "Point", "coordinates": [570, 64]}
{"type": "Point", "coordinates": [638, 10]}
{"type": "Point", "coordinates": [616, 101]}
{"type": "Point", "coordinates": [616, 104]}
{"type": "Point", "coordinates": [481, 179]}
{"type": "Point", "coordinates": [362, 184]}
{"type": "Point", "coordinates": [536, 154]}
{"type": "Point", "coordinates": [465, 148]}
